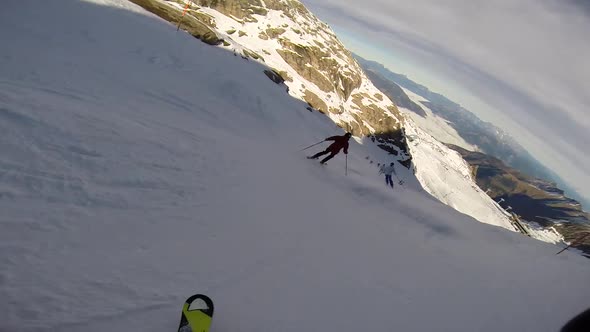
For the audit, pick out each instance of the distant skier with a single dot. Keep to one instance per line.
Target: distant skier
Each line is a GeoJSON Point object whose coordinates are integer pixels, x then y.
{"type": "Point", "coordinates": [340, 142]}
{"type": "Point", "coordinates": [388, 171]}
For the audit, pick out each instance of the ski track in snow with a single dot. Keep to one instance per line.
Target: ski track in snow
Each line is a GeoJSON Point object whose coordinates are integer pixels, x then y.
{"type": "Point", "coordinates": [134, 174]}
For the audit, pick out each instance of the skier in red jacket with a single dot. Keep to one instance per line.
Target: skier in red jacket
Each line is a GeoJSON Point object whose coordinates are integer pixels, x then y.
{"type": "Point", "coordinates": [340, 142]}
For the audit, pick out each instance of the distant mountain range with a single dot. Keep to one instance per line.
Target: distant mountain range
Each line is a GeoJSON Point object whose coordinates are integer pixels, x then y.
{"type": "Point", "coordinates": [532, 199]}
{"type": "Point", "coordinates": [484, 135]}
{"type": "Point", "coordinates": [502, 167]}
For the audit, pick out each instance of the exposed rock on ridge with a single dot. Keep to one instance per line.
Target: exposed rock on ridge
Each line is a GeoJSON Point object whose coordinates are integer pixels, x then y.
{"type": "Point", "coordinates": [317, 66]}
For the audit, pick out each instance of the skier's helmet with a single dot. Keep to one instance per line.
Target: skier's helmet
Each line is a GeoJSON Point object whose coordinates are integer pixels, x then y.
{"type": "Point", "coordinates": [348, 135]}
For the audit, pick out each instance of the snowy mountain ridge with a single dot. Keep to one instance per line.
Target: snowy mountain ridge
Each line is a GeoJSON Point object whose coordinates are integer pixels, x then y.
{"type": "Point", "coordinates": [272, 29]}
{"type": "Point", "coordinates": [252, 34]}
{"type": "Point", "coordinates": [284, 35]}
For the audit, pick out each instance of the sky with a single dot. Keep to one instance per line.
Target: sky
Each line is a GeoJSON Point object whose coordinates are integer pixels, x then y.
{"type": "Point", "coordinates": [519, 64]}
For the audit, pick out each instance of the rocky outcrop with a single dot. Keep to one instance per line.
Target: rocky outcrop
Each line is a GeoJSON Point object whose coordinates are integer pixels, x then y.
{"type": "Point", "coordinates": [199, 25]}
{"type": "Point", "coordinates": [317, 66]}
{"type": "Point", "coordinates": [394, 92]}
{"type": "Point", "coordinates": [315, 101]}
{"type": "Point", "coordinates": [323, 61]}
{"type": "Point", "coordinates": [274, 76]}
{"type": "Point", "coordinates": [240, 9]}
{"type": "Point", "coordinates": [306, 53]}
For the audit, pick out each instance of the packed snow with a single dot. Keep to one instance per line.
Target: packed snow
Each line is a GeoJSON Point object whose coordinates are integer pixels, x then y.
{"type": "Point", "coordinates": [139, 166]}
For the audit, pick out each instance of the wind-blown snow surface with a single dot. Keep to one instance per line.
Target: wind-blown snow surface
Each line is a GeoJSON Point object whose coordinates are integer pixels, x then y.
{"type": "Point", "coordinates": [139, 166]}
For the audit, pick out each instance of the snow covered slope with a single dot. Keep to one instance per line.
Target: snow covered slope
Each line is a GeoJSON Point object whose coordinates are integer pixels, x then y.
{"type": "Point", "coordinates": [446, 176]}
{"type": "Point", "coordinates": [138, 166]}
{"type": "Point", "coordinates": [443, 172]}
{"type": "Point", "coordinates": [274, 32]}
{"type": "Point", "coordinates": [305, 51]}
{"type": "Point", "coordinates": [433, 124]}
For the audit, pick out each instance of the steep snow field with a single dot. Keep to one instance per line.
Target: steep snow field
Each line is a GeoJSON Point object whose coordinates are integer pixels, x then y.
{"type": "Point", "coordinates": [437, 126]}
{"type": "Point", "coordinates": [320, 34]}
{"type": "Point", "coordinates": [446, 176]}
{"type": "Point", "coordinates": [139, 166]}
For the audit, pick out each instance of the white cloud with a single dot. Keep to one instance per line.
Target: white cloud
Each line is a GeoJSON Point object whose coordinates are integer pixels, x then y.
{"type": "Point", "coordinates": [525, 60]}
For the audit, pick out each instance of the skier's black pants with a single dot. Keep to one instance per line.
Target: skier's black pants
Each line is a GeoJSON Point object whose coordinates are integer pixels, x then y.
{"type": "Point", "coordinates": [388, 180]}
{"type": "Point", "coordinates": [317, 155]}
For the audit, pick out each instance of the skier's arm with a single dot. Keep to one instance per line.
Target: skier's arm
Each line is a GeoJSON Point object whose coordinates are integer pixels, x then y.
{"type": "Point", "coordinates": [346, 148]}
{"type": "Point", "coordinates": [331, 138]}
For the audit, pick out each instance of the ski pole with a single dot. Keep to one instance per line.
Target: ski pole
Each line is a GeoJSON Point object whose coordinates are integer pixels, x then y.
{"type": "Point", "coordinates": [188, 4]}
{"type": "Point", "coordinates": [346, 165]}
{"type": "Point", "coordinates": [312, 145]}
{"type": "Point", "coordinates": [573, 243]}
{"type": "Point", "coordinates": [564, 249]}
{"type": "Point", "coordinates": [401, 183]}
